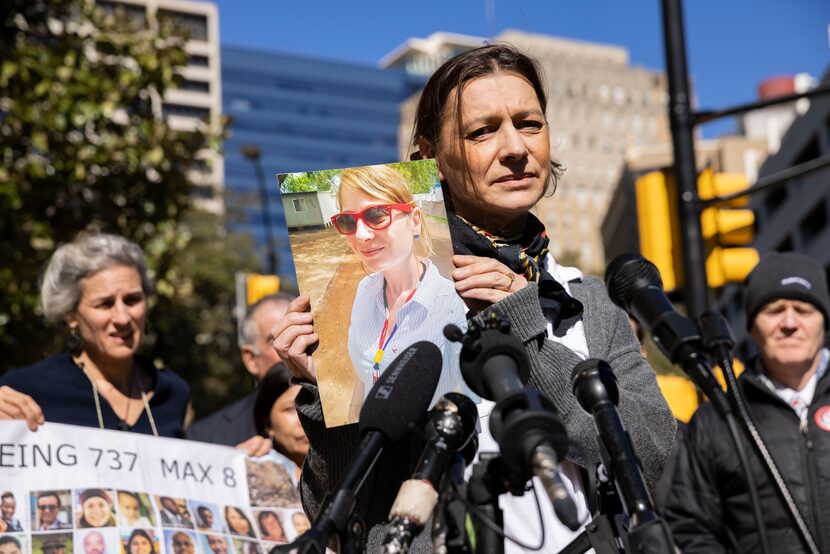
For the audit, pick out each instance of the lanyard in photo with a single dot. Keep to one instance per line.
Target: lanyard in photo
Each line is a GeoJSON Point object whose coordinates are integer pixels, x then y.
{"type": "Point", "coordinates": [383, 341]}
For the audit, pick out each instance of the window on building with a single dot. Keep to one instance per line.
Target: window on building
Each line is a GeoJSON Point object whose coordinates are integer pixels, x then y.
{"type": "Point", "coordinates": [300, 205]}
{"type": "Point", "coordinates": [203, 192]}
{"type": "Point", "coordinates": [196, 60]}
{"type": "Point", "coordinates": [195, 86]}
{"type": "Point", "coordinates": [813, 223]}
{"type": "Point", "coordinates": [194, 25]}
{"type": "Point", "coordinates": [136, 13]}
{"type": "Point", "coordinates": [169, 109]}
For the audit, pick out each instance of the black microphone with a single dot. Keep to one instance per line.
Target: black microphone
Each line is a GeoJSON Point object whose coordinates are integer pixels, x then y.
{"type": "Point", "coordinates": [530, 435]}
{"type": "Point", "coordinates": [450, 426]}
{"type": "Point", "coordinates": [595, 387]}
{"type": "Point", "coordinates": [634, 284]}
{"type": "Point", "coordinates": [400, 396]}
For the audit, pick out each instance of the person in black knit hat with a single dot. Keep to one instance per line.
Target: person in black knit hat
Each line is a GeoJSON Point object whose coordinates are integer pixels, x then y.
{"type": "Point", "coordinates": [787, 390]}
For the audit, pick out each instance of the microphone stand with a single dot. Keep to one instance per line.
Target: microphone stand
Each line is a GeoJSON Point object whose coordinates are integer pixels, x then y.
{"type": "Point", "coordinates": [483, 490]}
{"type": "Point", "coordinates": [523, 422]}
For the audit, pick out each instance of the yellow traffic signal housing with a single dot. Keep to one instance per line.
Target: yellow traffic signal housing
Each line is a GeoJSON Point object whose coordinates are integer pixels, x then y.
{"type": "Point", "coordinates": [723, 226]}
{"type": "Point", "coordinates": [658, 225]}
{"type": "Point", "coordinates": [257, 286]}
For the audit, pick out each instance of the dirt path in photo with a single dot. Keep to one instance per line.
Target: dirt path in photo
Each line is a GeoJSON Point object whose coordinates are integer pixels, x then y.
{"type": "Point", "coordinates": [329, 273]}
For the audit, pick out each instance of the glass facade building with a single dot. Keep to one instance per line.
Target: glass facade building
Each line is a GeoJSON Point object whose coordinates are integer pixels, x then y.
{"type": "Point", "coordinates": [303, 114]}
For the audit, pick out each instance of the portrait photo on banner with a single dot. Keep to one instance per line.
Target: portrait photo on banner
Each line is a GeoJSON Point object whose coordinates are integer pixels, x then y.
{"type": "Point", "coordinates": [140, 541]}
{"type": "Point", "coordinates": [94, 508]}
{"type": "Point", "coordinates": [13, 543]}
{"type": "Point", "coordinates": [97, 541]}
{"type": "Point", "coordinates": [14, 512]}
{"type": "Point", "coordinates": [51, 510]}
{"type": "Point", "coordinates": [135, 509]}
{"type": "Point", "coordinates": [372, 250]}
{"type": "Point", "coordinates": [214, 543]}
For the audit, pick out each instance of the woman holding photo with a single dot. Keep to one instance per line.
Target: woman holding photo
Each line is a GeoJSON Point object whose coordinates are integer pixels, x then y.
{"type": "Point", "coordinates": [403, 299]}
{"type": "Point", "coordinates": [483, 117]}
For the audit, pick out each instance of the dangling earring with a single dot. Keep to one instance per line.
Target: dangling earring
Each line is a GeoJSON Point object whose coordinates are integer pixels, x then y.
{"type": "Point", "coordinates": [74, 342]}
{"type": "Point", "coordinates": [416, 236]}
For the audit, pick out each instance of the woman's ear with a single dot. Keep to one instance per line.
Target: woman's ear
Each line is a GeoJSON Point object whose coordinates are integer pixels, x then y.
{"type": "Point", "coordinates": [428, 151]}
{"type": "Point", "coordinates": [71, 319]}
{"type": "Point", "coordinates": [416, 222]}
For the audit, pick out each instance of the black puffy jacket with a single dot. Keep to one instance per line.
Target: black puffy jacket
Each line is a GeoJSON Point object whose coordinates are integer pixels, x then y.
{"type": "Point", "coordinates": [709, 508]}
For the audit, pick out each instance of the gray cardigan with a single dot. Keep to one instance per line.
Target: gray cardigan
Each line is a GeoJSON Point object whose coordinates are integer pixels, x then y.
{"type": "Point", "coordinates": [642, 408]}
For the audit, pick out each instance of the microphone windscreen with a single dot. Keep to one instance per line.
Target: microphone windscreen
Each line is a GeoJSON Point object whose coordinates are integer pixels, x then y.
{"type": "Point", "coordinates": [628, 273]}
{"type": "Point", "coordinates": [402, 394]}
{"type": "Point", "coordinates": [593, 381]}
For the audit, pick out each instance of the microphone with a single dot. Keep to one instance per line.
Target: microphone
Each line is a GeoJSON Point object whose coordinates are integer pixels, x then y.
{"type": "Point", "coordinates": [634, 284]}
{"type": "Point", "coordinates": [595, 387]}
{"type": "Point", "coordinates": [450, 426]}
{"type": "Point", "coordinates": [400, 396]}
{"type": "Point", "coordinates": [531, 437]}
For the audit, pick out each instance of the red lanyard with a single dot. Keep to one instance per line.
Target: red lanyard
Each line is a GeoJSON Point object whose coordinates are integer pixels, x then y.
{"type": "Point", "coordinates": [383, 342]}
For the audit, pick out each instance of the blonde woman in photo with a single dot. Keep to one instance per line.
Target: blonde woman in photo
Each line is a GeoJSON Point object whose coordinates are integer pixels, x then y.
{"type": "Point", "coordinates": [403, 299]}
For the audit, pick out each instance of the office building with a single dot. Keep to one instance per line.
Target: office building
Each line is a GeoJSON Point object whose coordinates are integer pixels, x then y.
{"type": "Point", "coordinates": [197, 102]}
{"type": "Point", "coordinates": [303, 114]}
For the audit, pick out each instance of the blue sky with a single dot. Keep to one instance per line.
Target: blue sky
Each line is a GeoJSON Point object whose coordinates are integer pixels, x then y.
{"type": "Point", "coordinates": [731, 44]}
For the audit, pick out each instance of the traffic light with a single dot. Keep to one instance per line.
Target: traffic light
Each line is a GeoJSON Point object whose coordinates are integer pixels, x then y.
{"type": "Point", "coordinates": [726, 230]}
{"type": "Point", "coordinates": [257, 286]}
{"type": "Point", "coordinates": [658, 225]}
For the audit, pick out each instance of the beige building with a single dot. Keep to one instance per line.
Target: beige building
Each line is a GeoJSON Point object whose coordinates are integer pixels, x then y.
{"type": "Point", "coordinates": [198, 100]}
{"type": "Point", "coordinates": [599, 105]}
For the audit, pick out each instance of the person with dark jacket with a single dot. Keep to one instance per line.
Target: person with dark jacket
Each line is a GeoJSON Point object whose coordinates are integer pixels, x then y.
{"type": "Point", "coordinates": [787, 390]}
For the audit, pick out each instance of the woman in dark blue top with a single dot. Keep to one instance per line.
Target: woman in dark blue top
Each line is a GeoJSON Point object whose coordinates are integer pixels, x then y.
{"type": "Point", "coordinates": [97, 286]}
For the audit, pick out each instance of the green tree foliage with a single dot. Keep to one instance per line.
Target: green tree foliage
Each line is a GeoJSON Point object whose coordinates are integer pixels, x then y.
{"type": "Point", "coordinates": [423, 174]}
{"type": "Point", "coordinates": [311, 181]}
{"type": "Point", "coordinates": [84, 146]}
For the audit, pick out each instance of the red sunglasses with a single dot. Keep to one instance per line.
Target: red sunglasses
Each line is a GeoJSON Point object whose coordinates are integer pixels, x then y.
{"type": "Point", "coordinates": [375, 217]}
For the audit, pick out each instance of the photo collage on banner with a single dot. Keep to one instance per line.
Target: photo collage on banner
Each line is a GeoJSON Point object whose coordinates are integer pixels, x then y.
{"type": "Point", "coordinates": [118, 521]}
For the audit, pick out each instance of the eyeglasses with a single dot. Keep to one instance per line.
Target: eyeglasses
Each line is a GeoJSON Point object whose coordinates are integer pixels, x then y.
{"type": "Point", "coordinates": [47, 507]}
{"type": "Point", "coordinates": [375, 217]}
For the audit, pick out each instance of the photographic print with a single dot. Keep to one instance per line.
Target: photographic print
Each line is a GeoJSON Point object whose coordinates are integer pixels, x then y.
{"type": "Point", "coordinates": [372, 249]}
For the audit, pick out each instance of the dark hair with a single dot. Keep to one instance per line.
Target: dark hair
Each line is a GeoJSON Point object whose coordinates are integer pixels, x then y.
{"type": "Point", "coordinates": [275, 382]}
{"type": "Point", "coordinates": [141, 533]}
{"type": "Point", "coordinates": [9, 539]}
{"type": "Point", "coordinates": [454, 73]}
{"type": "Point", "coordinates": [48, 493]}
{"type": "Point", "coordinates": [263, 515]}
{"type": "Point", "coordinates": [243, 516]}
{"type": "Point", "coordinates": [7, 494]}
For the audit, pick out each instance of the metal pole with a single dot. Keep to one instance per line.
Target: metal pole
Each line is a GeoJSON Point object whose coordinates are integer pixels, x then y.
{"type": "Point", "coordinates": [253, 153]}
{"type": "Point", "coordinates": [266, 217]}
{"type": "Point", "coordinates": [681, 118]}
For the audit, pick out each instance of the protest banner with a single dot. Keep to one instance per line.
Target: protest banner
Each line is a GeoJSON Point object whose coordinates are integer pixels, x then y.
{"type": "Point", "coordinates": [68, 489]}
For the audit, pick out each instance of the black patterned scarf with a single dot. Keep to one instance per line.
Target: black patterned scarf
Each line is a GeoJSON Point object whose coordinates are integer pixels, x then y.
{"type": "Point", "coordinates": [524, 254]}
